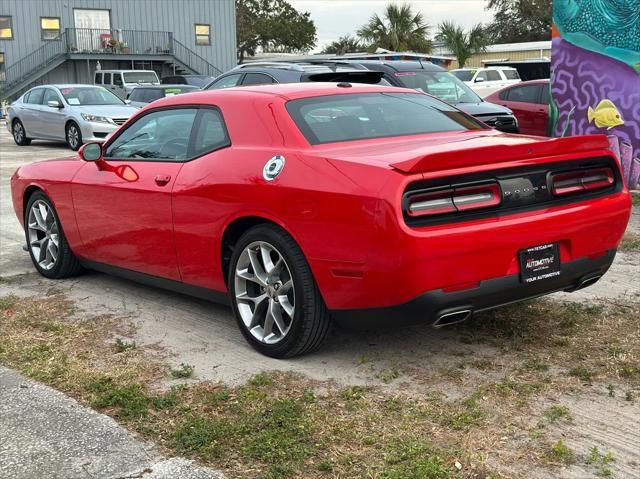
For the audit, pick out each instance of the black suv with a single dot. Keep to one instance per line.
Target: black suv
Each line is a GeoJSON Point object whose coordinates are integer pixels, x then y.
{"type": "Point", "coordinates": [438, 82]}
{"type": "Point", "coordinates": [261, 73]}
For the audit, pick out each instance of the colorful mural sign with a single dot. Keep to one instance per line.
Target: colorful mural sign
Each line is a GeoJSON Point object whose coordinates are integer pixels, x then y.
{"type": "Point", "coordinates": [595, 75]}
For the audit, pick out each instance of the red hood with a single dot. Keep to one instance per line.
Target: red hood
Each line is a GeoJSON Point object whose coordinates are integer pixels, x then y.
{"type": "Point", "coordinates": [453, 150]}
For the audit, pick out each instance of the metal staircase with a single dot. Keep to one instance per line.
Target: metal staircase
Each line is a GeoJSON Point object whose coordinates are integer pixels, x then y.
{"type": "Point", "coordinates": [88, 44]}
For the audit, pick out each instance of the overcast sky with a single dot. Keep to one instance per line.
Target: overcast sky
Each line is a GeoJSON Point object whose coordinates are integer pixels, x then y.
{"type": "Point", "coordinates": [334, 18]}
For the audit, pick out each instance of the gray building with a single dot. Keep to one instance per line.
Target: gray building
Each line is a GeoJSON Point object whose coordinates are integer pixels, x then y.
{"type": "Point", "coordinates": [62, 41]}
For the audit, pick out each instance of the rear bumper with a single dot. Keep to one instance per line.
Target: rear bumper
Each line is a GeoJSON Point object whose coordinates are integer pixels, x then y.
{"type": "Point", "coordinates": [490, 294]}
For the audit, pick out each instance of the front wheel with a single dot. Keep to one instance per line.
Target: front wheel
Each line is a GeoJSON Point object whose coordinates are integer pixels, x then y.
{"type": "Point", "coordinates": [74, 136]}
{"type": "Point", "coordinates": [274, 297]}
{"type": "Point", "coordinates": [46, 241]}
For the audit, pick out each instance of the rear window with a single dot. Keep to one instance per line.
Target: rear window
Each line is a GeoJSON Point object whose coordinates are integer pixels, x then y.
{"type": "Point", "coordinates": [362, 116]}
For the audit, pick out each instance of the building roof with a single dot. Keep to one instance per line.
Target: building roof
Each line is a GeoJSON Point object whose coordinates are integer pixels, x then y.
{"type": "Point", "coordinates": [508, 47]}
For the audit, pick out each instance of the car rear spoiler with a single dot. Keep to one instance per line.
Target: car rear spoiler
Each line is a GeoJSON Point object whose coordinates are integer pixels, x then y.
{"type": "Point", "coordinates": [476, 151]}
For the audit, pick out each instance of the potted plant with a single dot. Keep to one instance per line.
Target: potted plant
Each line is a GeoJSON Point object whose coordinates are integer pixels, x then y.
{"type": "Point", "coordinates": [124, 48]}
{"type": "Point", "coordinates": [113, 43]}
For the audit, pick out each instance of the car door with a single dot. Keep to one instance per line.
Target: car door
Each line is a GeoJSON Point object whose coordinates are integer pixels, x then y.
{"type": "Point", "coordinates": [542, 113]}
{"type": "Point", "coordinates": [123, 203]}
{"type": "Point", "coordinates": [30, 112]}
{"type": "Point", "coordinates": [52, 119]}
{"type": "Point", "coordinates": [523, 101]}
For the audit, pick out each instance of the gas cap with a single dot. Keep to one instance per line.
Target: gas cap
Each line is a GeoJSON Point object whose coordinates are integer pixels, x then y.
{"type": "Point", "coordinates": [273, 168]}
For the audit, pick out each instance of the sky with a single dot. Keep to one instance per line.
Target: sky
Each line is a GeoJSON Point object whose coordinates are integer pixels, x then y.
{"type": "Point", "coordinates": [335, 18]}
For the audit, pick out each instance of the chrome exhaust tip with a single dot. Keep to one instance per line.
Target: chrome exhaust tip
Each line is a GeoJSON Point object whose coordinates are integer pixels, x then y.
{"type": "Point", "coordinates": [454, 317]}
{"type": "Point", "coordinates": [589, 281]}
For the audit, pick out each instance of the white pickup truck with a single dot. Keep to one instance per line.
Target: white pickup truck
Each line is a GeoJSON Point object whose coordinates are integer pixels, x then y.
{"type": "Point", "coordinates": [485, 81]}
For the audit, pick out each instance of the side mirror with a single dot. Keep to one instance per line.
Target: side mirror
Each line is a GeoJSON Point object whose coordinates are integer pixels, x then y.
{"type": "Point", "coordinates": [479, 80]}
{"type": "Point", "coordinates": [90, 152]}
{"type": "Point", "coordinates": [128, 102]}
{"type": "Point", "coordinates": [54, 104]}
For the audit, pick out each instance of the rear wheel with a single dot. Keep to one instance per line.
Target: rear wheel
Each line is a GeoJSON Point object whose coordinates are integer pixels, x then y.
{"type": "Point", "coordinates": [74, 136]}
{"type": "Point", "coordinates": [274, 297]}
{"type": "Point", "coordinates": [46, 241]}
{"type": "Point", "coordinates": [19, 134]}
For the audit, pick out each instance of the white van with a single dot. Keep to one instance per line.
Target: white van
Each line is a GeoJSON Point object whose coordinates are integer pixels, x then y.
{"type": "Point", "coordinates": [485, 81]}
{"type": "Point", "coordinates": [121, 82]}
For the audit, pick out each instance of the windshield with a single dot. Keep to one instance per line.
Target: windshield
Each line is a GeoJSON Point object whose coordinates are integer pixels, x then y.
{"type": "Point", "coordinates": [140, 77]}
{"type": "Point", "coordinates": [89, 95]}
{"type": "Point", "coordinates": [442, 85]}
{"type": "Point", "coordinates": [464, 75]}
{"type": "Point", "coordinates": [361, 116]}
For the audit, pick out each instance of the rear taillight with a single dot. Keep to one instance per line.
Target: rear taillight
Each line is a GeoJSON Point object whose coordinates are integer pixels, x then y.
{"type": "Point", "coordinates": [581, 180]}
{"type": "Point", "coordinates": [453, 199]}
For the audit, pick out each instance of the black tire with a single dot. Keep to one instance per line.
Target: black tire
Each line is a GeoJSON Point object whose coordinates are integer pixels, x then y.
{"type": "Point", "coordinates": [66, 264]}
{"type": "Point", "coordinates": [311, 321]}
{"type": "Point", "coordinates": [73, 135]}
{"type": "Point", "coordinates": [20, 134]}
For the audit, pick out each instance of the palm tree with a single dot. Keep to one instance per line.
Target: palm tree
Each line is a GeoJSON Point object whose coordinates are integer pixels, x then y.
{"type": "Point", "coordinates": [345, 44]}
{"type": "Point", "coordinates": [463, 45]}
{"type": "Point", "coordinates": [400, 29]}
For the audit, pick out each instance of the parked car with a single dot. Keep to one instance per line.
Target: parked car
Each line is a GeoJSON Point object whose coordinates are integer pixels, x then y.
{"type": "Point", "coordinates": [485, 81]}
{"type": "Point", "coordinates": [305, 202]}
{"type": "Point", "coordinates": [529, 101]}
{"type": "Point", "coordinates": [195, 80]}
{"type": "Point", "coordinates": [121, 82]}
{"type": "Point", "coordinates": [71, 113]}
{"type": "Point", "coordinates": [437, 81]}
{"type": "Point", "coordinates": [142, 95]}
{"type": "Point", "coordinates": [264, 73]}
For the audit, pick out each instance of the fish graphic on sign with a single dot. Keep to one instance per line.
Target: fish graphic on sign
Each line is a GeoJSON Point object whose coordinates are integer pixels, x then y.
{"type": "Point", "coordinates": [605, 115]}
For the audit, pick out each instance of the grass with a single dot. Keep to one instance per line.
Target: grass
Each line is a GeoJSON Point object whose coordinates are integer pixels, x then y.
{"type": "Point", "coordinates": [560, 453]}
{"type": "Point", "coordinates": [630, 243]}
{"type": "Point", "coordinates": [181, 372]}
{"type": "Point", "coordinates": [558, 413]}
{"type": "Point", "coordinates": [600, 461]}
{"type": "Point", "coordinates": [122, 345]}
{"type": "Point", "coordinates": [635, 200]}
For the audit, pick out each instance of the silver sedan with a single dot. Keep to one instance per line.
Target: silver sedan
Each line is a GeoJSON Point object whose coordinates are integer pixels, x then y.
{"type": "Point", "coordinates": [71, 113]}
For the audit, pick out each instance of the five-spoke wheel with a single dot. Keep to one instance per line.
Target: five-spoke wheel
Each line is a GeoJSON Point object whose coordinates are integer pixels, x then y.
{"type": "Point", "coordinates": [274, 296]}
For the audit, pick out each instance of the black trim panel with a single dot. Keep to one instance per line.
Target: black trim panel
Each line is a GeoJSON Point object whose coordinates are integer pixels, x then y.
{"type": "Point", "coordinates": [491, 294]}
{"type": "Point", "coordinates": [157, 282]}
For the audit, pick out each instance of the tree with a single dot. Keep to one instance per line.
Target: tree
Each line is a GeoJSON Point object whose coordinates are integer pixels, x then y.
{"type": "Point", "coordinates": [400, 29]}
{"type": "Point", "coordinates": [272, 26]}
{"type": "Point", "coordinates": [345, 44]}
{"type": "Point", "coordinates": [463, 45]}
{"type": "Point", "coordinates": [520, 21]}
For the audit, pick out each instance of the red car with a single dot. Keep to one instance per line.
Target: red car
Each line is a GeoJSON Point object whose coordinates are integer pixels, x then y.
{"type": "Point", "coordinates": [303, 203]}
{"type": "Point", "coordinates": [529, 102]}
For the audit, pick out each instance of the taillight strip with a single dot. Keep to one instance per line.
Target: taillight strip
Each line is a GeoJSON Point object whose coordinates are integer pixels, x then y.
{"type": "Point", "coordinates": [454, 199]}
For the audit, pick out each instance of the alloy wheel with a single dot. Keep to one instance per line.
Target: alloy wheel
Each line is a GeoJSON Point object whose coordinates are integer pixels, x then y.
{"type": "Point", "coordinates": [43, 235]}
{"type": "Point", "coordinates": [73, 136]}
{"type": "Point", "coordinates": [18, 132]}
{"type": "Point", "coordinates": [264, 292]}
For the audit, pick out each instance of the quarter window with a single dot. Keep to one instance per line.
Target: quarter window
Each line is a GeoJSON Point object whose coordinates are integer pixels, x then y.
{"type": "Point", "coordinates": [50, 28]}
{"type": "Point", "coordinates": [257, 79]}
{"type": "Point", "coordinates": [6, 28]}
{"type": "Point", "coordinates": [160, 135]}
{"type": "Point", "coordinates": [98, 79]}
{"type": "Point", "coordinates": [211, 134]}
{"type": "Point", "coordinates": [203, 34]}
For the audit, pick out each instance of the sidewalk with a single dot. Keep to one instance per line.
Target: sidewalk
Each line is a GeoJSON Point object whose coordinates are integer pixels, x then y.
{"type": "Point", "coordinates": [43, 433]}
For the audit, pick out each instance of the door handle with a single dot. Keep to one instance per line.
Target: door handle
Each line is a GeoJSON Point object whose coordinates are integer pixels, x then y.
{"type": "Point", "coordinates": [162, 180]}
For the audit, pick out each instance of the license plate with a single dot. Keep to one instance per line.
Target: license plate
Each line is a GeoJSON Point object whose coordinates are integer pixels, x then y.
{"type": "Point", "coordinates": [539, 263]}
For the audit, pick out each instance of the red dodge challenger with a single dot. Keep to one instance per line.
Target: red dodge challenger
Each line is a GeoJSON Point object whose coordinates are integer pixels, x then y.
{"type": "Point", "coordinates": [303, 203]}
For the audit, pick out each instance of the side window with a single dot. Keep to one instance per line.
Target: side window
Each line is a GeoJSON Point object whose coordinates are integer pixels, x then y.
{"type": "Point", "coordinates": [211, 133]}
{"type": "Point", "coordinates": [544, 97]}
{"type": "Point", "coordinates": [51, 95]}
{"type": "Point", "coordinates": [117, 79]}
{"type": "Point", "coordinates": [107, 79]}
{"type": "Point", "coordinates": [98, 79]}
{"type": "Point", "coordinates": [525, 94]}
{"type": "Point", "coordinates": [481, 76]}
{"type": "Point", "coordinates": [226, 82]}
{"type": "Point", "coordinates": [493, 75]}
{"type": "Point", "coordinates": [160, 135]}
{"type": "Point", "coordinates": [511, 74]}
{"type": "Point", "coordinates": [35, 97]}
{"type": "Point", "coordinates": [257, 79]}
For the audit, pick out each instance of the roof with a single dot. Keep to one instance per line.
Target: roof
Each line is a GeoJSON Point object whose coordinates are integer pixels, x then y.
{"type": "Point", "coordinates": [287, 91]}
{"type": "Point", "coordinates": [166, 85]}
{"type": "Point", "coordinates": [513, 47]}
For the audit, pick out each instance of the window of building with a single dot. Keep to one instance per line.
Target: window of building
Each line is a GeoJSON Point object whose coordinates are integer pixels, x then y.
{"type": "Point", "coordinates": [6, 28]}
{"type": "Point", "coordinates": [50, 28]}
{"type": "Point", "coordinates": [203, 34]}
{"type": "Point", "coordinates": [2, 74]}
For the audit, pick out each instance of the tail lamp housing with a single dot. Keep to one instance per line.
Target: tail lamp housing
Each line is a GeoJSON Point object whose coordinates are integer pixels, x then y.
{"type": "Point", "coordinates": [452, 199]}
{"type": "Point", "coordinates": [581, 181]}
